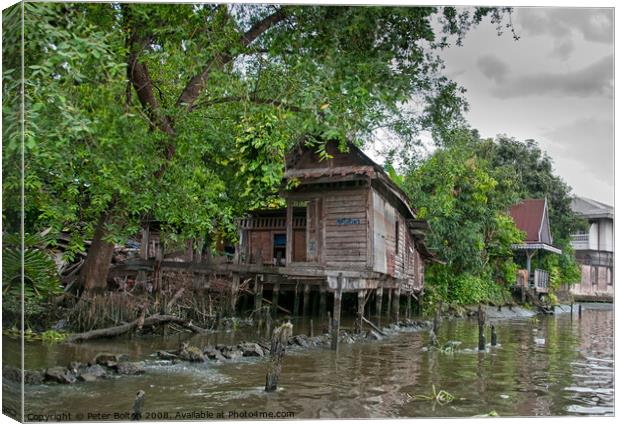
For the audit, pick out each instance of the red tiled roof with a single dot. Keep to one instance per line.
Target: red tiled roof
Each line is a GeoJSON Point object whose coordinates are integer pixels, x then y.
{"type": "Point", "coordinates": [528, 217]}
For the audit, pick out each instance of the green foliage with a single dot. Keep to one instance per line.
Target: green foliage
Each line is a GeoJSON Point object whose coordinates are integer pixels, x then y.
{"type": "Point", "coordinates": [465, 200]}
{"type": "Point", "coordinates": [41, 278]}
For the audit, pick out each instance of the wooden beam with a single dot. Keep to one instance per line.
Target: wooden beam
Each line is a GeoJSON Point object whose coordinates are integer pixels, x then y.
{"type": "Point", "coordinates": [336, 318]}
{"type": "Point", "coordinates": [289, 231]}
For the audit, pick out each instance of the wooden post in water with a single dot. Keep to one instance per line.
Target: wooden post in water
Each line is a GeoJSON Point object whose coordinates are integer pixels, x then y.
{"type": "Point", "coordinates": [296, 300]}
{"type": "Point", "coordinates": [279, 340]}
{"type": "Point", "coordinates": [580, 310]}
{"type": "Point", "coordinates": [311, 328]}
{"type": "Point", "coordinates": [408, 307]}
{"type": "Point", "coordinates": [396, 305]}
{"type": "Point", "coordinates": [258, 293]}
{"type": "Point", "coordinates": [359, 323]}
{"type": "Point", "coordinates": [322, 303]}
{"type": "Point", "coordinates": [420, 302]}
{"type": "Point", "coordinates": [336, 317]}
{"type": "Point", "coordinates": [481, 338]}
{"type": "Point", "coordinates": [275, 297]}
{"type": "Point", "coordinates": [234, 292]}
{"type": "Point", "coordinates": [435, 329]}
{"type": "Point", "coordinates": [493, 336]}
{"type": "Point", "coordinates": [389, 303]}
{"type": "Point", "coordinates": [379, 304]}
{"type": "Point", "coordinates": [138, 403]}
{"type": "Point", "coordinates": [306, 310]}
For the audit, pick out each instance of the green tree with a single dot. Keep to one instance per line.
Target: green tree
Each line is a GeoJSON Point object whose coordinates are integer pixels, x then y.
{"type": "Point", "coordinates": [465, 199]}
{"type": "Point", "coordinates": [138, 111]}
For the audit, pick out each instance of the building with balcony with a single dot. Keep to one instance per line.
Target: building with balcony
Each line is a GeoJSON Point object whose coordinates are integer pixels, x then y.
{"type": "Point", "coordinates": [594, 250]}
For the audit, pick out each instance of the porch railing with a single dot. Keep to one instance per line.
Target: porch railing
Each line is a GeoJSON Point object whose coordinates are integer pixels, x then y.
{"type": "Point", "coordinates": [541, 280]}
{"type": "Point", "coordinates": [267, 223]}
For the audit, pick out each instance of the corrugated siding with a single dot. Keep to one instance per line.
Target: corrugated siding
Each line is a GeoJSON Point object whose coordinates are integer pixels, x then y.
{"type": "Point", "coordinates": [345, 225]}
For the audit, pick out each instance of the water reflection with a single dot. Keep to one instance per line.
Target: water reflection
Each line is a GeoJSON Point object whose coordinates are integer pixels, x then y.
{"type": "Point", "coordinates": [543, 366]}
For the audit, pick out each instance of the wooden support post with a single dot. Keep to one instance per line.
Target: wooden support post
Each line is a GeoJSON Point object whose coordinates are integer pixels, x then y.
{"type": "Point", "coordinates": [234, 291]}
{"type": "Point", "coordinates": [275, 297]}
{"type": "Point", "coordinates": [379, 302]}
{"type": "Point", "coordinates": [289, 232]}
{"type": "Point", "coordinates": [493, 336]}
{"type": "Point", "coordinates": [336, 317]}
{"type": "Point", "coordinates": [311, 328]}
{"type": "Point", "coordinates": [408, 307]}
{"type": "Point", "coordinates": [420, 303]}
{"type": "Point", "coordinates": [258, 293]}
{"type": "Point", "coordinates": [296, 300]}
{"type": "Point", "coordinates": [435, 329]}
{"type": "Point", "coordinates": [359, 322]}
{"type": "Point", "coordinates": [481, 318]}
{"type": "Point", "coordinates": [389, 303]}
{"type": "Point", "coordinates": [580, 310]}
{"type": "Point", "coordinates": [396, 305]}
{"type": "Point", "coordinates": [279, 341]}
{"type": "Point", "coordinates": [306, 310]}
{"type": "Point", "coordinates": [322, 303]}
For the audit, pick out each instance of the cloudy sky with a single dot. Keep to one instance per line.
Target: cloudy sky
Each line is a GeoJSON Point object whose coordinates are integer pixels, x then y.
{"type": "Point", "coordinates": [555, 85]}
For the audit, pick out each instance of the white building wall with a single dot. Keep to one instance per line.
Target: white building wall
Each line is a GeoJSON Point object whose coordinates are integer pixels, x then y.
{"type": "Point", "coordinates": [593, 236]}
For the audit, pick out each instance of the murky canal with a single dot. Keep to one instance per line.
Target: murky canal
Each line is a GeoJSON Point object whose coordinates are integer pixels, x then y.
{"type": "Point", "coordinates": [554, 365]}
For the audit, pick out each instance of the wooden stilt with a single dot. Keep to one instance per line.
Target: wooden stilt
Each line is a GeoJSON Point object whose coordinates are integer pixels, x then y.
{"type": "Point", "coordinates": [481, 319]}
{"type": "Point", "coordinates": [322, 303]}
{"type": "Point", "coordinates": [234, 293]}
{"type": "Point", "coordinates": [275, 297]}
{"type": "Point", "coordinates": [359, 322]}
{"type": "Point", "coordinates": [493, 336]}
{"type": "Point", "coordinates": [306, 310]}
{"type": "Point", "coordinates": [408, 307]}
{"type": "Point", "coordinates": [378, 301]}
{"type": "Point", "coordinates": [389, 303]}
{"type": "Point", "coordinates": [396, 305]}
{"type": "Point", "coordinates": [336, 317]}
{"type": "Point", "coordinates": [296, 301]}
{"type": "Point", "coordinates": [379, 304]}
{"type": "Point", "coordinates": [258, 293]}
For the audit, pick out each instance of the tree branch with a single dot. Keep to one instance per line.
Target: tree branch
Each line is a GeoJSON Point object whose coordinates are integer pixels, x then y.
{"type": "Point", "coordinates": [197, 82]}
{"type": "Point", "coordinates": [252, 99]}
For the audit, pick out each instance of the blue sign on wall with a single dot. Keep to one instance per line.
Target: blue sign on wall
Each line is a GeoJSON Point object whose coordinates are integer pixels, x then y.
{"type": "Point", "coordinates": [347, 221]}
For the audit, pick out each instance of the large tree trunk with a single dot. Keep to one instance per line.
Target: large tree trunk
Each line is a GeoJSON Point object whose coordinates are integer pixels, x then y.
{"type": "Point", "coordinates": [94, 273]}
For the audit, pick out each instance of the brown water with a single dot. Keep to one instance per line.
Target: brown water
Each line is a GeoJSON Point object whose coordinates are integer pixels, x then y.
{"type": "Point", "coordinates": [554, 365]}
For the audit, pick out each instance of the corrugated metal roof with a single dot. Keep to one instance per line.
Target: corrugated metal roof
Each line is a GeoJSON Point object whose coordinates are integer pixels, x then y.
{"type": "Point", "coordinates": [528, 216]}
